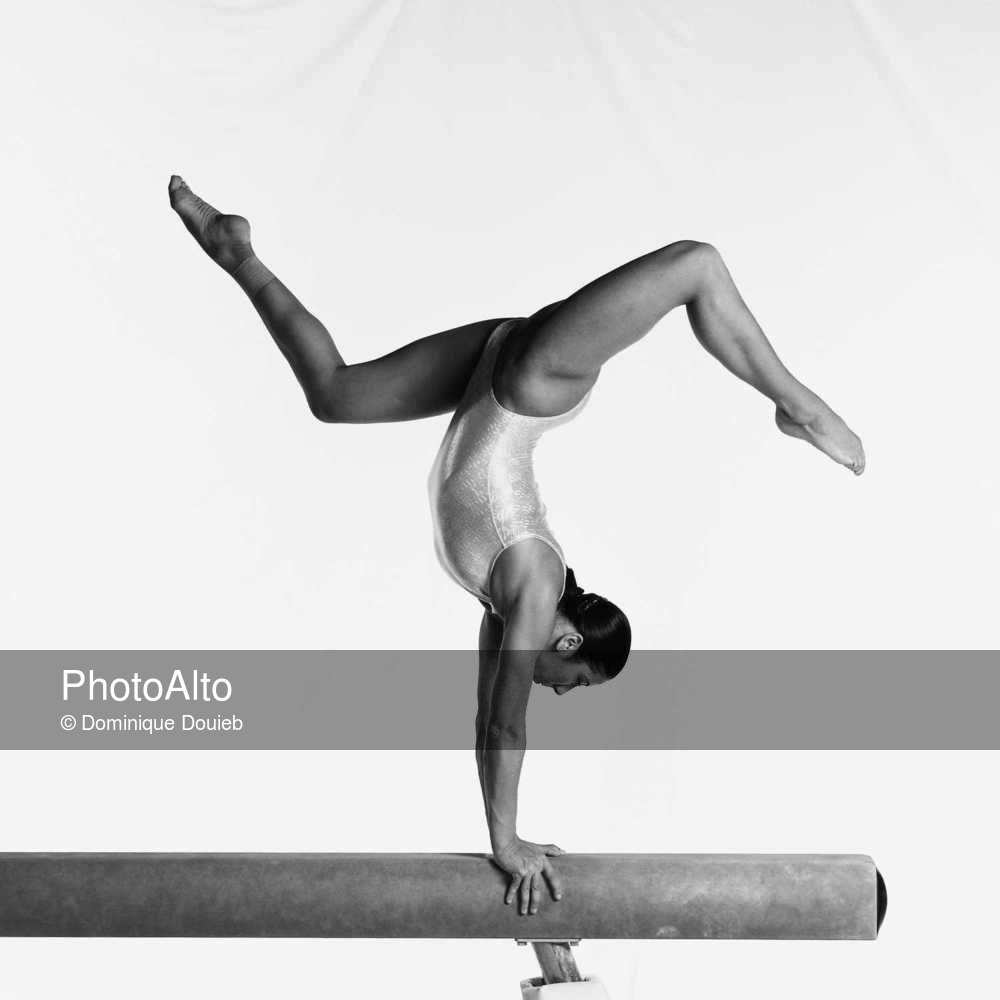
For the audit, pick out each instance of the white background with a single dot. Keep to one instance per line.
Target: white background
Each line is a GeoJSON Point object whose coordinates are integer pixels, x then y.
{"type": "Point", "coordinates": [411, 166]}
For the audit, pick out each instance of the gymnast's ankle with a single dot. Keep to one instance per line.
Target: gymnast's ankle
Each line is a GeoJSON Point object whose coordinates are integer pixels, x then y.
{"type": "Point", "coordinates": [251, 274]}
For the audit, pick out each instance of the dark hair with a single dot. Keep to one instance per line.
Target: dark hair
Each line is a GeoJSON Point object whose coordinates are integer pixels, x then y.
{"type": "Point", "coordinates": [607, 635]}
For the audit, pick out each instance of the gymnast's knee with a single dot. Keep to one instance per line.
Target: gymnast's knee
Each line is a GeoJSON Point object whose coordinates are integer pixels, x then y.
{"type": "Point", "coordinates": [701, 264]}
{"type": "Point", "coordinates": [328, 401]}
{"type": "Point", "coordinates": [330, 408]}
{"type": "Point", "coordinates": [695, 252]}
{"type": "Point", "coordinates": [322, 408]}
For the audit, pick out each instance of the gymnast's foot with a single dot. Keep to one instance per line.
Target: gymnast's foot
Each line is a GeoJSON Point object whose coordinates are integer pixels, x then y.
{"type": "Point", "coordinates": [225, 238]}
{"type": "Point", "coordinates": [822, 428]}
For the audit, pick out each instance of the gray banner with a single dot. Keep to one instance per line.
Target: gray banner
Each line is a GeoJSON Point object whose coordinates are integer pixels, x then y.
{"type": "Point", "coordinates": [426, 700]}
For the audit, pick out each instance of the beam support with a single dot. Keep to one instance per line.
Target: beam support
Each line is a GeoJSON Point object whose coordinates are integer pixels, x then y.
{"type": "Point", "coordinates": [557, 962]}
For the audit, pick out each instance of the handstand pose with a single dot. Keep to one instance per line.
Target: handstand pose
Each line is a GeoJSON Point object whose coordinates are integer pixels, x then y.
{"type": "Point", "coordinates": [507, 381]}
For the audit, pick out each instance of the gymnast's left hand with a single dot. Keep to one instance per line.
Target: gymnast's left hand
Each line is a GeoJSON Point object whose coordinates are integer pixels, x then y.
{"type": "Point", "coordinates": [529, 868]}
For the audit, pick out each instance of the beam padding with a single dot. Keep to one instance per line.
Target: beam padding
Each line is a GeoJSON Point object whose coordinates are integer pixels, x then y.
{"type": "Point", "coordinates": [779, 896]}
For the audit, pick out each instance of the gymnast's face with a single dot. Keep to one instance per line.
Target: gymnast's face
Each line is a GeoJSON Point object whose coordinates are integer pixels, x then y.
{"type": "Point", "coordinates": [560, 667]}
{"type": "Point", "coordinates": [561, 673]}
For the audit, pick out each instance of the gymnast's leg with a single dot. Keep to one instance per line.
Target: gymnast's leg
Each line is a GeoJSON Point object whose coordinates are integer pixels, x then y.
{"type": "Point", "coordinates": [574, 337]}
{"type": "Point", "coordinates": [727, 329]}
{"type": "Point", "coordinates": [422, 379]}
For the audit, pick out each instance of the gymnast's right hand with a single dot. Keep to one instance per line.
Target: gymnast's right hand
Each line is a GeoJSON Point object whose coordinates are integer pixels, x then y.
{"type": "Point", "coordinates": [529, 868]}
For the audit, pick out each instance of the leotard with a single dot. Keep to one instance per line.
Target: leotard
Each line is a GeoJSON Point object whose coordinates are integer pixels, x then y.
{"type": "Point", "coordinates": [482, 487]}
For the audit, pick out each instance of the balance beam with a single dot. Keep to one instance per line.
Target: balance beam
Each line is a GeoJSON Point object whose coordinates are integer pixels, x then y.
{"type": "Point", "coordinates": [642, 896]}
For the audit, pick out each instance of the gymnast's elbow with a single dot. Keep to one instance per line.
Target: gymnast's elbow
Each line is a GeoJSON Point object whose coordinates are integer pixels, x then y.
{"type": "Point", "coordinates": [505, 733]}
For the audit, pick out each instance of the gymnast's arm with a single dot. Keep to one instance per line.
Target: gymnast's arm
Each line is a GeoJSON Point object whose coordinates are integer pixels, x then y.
{"type": "Point", "coordinates": [506, 737]}
{"type": "Point", "coordinates": [490, 636]}
{"type": "Point", "coordinates": [528, 619]}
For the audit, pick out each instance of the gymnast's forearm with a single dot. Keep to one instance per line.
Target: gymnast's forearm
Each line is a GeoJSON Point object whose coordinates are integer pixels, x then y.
{"type": "Point", "coordinates": [481, 768]}
{"type": "Point", "coordinates": [502, 759]}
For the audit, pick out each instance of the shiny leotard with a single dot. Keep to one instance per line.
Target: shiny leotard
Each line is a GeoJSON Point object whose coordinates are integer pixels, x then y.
{"type": "Point", "coordinates": [482, 487]}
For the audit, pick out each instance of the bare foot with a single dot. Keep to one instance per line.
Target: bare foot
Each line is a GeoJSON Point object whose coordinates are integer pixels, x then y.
{"type": "Point", "coordinates": [225, 238]}
{"type": "Point", "coordinates": [826, 431]}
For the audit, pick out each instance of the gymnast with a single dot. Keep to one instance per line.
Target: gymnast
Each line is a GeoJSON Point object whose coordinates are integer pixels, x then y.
{"type": "Point", "coordinates": [507, 381]}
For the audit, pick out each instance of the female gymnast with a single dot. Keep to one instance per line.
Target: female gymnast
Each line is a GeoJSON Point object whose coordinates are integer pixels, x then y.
{"type": "Point", "coordinates": [507, 381]}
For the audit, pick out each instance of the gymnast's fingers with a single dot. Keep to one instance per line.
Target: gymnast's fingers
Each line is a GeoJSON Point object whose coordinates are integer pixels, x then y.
{"type": "Point", "coordinates": [555, 883]}
{"type": "Point", "coordinates": [515, 882]}
{"type": "Point", "coordinates": [536, 891]}
{"type": "Point", "coordinates": [525, 893]}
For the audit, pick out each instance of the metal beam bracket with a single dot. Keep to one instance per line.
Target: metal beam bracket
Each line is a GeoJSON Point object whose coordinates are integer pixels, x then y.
{"type": "Point", "coordinates": [569, 941]}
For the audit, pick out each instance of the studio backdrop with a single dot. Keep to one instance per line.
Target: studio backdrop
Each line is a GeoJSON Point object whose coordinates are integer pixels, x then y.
{"type": "Point", "coordinates": [412, 165]}
{"type": "Point", "coordinates": [409, 166]}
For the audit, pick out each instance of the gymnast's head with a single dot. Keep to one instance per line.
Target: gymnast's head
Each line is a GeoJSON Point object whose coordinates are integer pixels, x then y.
{"type": "Point", "coordinates": [591, 639]}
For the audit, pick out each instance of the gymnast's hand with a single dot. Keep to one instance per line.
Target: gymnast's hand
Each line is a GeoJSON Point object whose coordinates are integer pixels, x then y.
{"type": "Point", "coordinates": [529, 868]}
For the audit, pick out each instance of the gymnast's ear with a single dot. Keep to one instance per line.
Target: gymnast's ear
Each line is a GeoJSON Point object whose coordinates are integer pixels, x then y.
{"type": "Point", "coordinates": [570, 642]}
